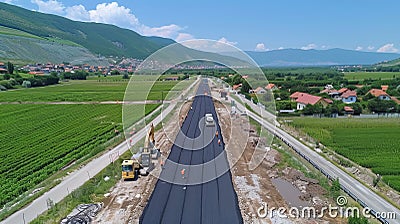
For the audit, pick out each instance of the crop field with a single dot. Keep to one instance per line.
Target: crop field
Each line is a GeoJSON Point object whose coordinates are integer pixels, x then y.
{"type": "Point", "coordinates": [39, 140]}
{"type": "Point", "coordinates": [103, 89]}
{"type": "Point", "coordinates": [372, 143]}
{"type": "Point", "coordinates": [371, 75]}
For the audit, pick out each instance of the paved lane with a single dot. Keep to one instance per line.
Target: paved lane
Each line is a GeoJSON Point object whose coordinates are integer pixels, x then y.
{"type": "Point", "coordinates": [214, 201]}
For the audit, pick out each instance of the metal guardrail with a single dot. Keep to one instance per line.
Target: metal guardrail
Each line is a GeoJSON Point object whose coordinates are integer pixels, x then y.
{"type": "Point", "coordinates": [347, 191]}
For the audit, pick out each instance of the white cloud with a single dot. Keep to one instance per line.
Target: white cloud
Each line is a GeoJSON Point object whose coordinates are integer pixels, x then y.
{"type": "Point", "coordinates": [388, 48]}
{"type": "Point", "coordinates": [225, 41]}
{"type": "Point", "coordinates": [184, 37]}
{"type": "Point", "coordinates": [370, 48]}
{"type": "Point", "coordinates": [281, 48]}
{"type": "Point", "coordinates": [309, 47]}
{"type": "Point", "coordinates": [359, 48]}
{"type": "Point", "coordinates": [50, 6]}
{"type": "Point", "coordinates": [111, 13]}
{"type": "Point", "coordinates": [163, 31]}
{"type": "Point", "coordinates": [261, 47]}
{"type": "Point", "coordinates": [78, 13]}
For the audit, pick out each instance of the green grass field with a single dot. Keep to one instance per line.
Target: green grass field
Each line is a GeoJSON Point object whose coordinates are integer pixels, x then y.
{"type": "Point", "coordinates": [372, 143]}
{"type": "Point", "coordinates": [38, 140]}
{"type": "Point", "coordinates": [94, 89]}
{"type": "Point", "coordinates": [371, 75]}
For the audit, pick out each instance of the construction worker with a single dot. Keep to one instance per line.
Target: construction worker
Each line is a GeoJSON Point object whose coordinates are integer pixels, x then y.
{"type": "Point", "coordinates": [216, 133]}
{"type": "Point", "coordinates": [219, 141]}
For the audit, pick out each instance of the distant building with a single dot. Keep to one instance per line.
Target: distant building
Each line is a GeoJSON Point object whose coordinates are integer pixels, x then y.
{"type": "Point", "coordinates": [259, 90]}
{"type": "Point", "coordinates": [3, 68]}
{"type": "Point", "coordinates": [304, 99]}
{"type": "Point", "coordinates": [349, 97]}
{"type": "Point", "coordinates": [348, 110]}
{"type": "Point", "coordinates": [271, 87]}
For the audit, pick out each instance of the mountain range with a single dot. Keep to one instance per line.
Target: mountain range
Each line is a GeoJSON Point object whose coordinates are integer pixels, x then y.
{"type": "Point", "coordinates": [336, 56]}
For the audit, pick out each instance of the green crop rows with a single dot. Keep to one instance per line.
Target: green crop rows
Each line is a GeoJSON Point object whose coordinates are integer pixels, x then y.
{"type": "Point", "coordinates": [90, 90]}
{"type": "Point", "coordinates": [372, 143]}
{"type": "Point", "coordinates": [39, 140]}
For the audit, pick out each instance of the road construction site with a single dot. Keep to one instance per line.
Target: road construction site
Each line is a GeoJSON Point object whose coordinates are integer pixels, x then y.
{"type": "Point", "coordinates": [152, 200]}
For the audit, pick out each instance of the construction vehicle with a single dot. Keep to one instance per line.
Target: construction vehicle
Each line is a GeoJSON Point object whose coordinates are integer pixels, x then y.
{"type": "Point", "coordinates": [130, 168]}
{"type": "Point", "coordinates": [142, 162]}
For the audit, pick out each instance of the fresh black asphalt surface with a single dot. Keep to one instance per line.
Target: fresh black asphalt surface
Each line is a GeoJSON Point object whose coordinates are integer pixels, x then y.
{"type": "Point", "coordinates": [215, 200]}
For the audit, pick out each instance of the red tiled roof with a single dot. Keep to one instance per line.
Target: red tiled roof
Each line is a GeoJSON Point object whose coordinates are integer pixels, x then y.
{"type": "Point", "coordinates": [385, 87]}
{"type": "Point", "coordinates": [348, 109]}
{"type": "Point", "coordinates": [349, 93]}
{"type": "Point", "coordinates": [377, 92]}
{"type": "Point", "coordinates": [305, 98]}
{"type": "Point", "coordinates": [329, 91]}
{"type": "Point", "coordinates": [295, 95]}
{"type": "Point", "coordinates": [342, 90]}
{"type": "Point", "coordinates": [245, 76]}
{"type": "Point", "coordinates": [258, 89]}
{"type": "Point", "coordinates": [328, 100]}
{"type": "Point", "coordinates": [270, 86]}
{"type": "Point", "coordinates": [3, 69]}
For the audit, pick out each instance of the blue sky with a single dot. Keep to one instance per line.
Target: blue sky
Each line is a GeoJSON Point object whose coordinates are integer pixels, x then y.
{"type": "Point", "coordinates": [367, 25]}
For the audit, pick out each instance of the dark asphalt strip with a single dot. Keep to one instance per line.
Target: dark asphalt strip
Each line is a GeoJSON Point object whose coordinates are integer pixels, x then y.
{"type": "Point", "coordinates": [214, 201]}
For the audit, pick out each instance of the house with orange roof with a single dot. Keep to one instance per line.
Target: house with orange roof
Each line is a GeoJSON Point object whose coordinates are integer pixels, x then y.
{"type": "Point", "coordinates": [271, 87]}
{"type": "Point", "coordinates": [348, 110]}
{"type": "Point", "coordinates": [384, 87]}
{"type": "Point", "coordinates": [349, 97]}
{"type": "Point", "coordinates": [304, 99]}
{"type": "Point", "coordinates": [3, 71]}
{"type": "Point", "coordinates": [382, 95]}
{"type": "Point", "coordinates": [294, 96]}
{"type": "Point", "coordinates": [259, 90]}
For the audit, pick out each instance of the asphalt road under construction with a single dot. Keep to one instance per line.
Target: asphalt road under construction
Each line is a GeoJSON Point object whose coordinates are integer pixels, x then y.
{"type": "Point", "coordinates": [195, 185]}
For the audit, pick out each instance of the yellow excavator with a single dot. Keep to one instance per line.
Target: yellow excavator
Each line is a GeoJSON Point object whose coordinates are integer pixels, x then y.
{"type": "Point", "coordinates": [142, 161]}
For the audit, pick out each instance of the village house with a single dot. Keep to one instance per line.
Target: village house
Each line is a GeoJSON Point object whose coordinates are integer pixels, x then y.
{"type": "Point", "coordinates": [304, 99]}
{"type": "Point", "coordinates": [349, 97]}
{"type": "Point", "coordinates": [258, 90]}
{"type": "Point", "coordinates": [271, 87]}
{"type": "Point", "coordinates": [380, 94]}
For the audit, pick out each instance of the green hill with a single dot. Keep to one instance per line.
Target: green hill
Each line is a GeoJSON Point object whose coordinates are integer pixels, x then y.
{"type": "Point", "coordinates": [103, 39]}
{"type": "Point", "coordinates": [395, 62]}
